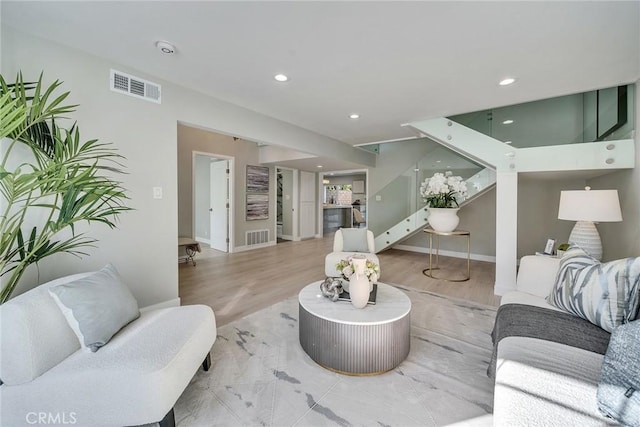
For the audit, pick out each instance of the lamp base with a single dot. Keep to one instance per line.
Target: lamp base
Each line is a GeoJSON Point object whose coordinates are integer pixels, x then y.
{"type": "Point", "coordinates": [585, 235]}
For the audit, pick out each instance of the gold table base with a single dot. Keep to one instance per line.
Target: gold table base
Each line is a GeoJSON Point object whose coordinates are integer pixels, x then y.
{"type": "Point", "coordinates": [429, 271]}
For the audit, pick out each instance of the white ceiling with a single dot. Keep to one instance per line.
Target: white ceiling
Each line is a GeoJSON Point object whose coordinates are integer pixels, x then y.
{"type": "Point", "coordinates": [391, 62]}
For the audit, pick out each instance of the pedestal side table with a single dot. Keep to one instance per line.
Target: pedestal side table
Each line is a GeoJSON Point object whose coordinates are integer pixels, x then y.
{"type": "Point", "coordinates": [429, 271]}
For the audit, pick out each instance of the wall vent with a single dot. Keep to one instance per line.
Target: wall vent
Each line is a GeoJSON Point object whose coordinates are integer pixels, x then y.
{"type": "Point", "coordinates": [257, 237]}
{"type": "Point", "coordinates": [135, 86]}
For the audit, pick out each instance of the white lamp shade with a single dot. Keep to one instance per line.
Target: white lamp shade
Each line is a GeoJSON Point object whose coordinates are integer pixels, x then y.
{"type": "Point", "coordinates": [590, 205]}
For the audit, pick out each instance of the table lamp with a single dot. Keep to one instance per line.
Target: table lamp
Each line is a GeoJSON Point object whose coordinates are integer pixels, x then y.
{"type": "Point", "coordinates": [586, 207]}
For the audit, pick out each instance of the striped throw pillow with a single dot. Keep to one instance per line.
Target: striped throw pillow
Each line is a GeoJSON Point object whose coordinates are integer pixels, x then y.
{"type": "Point", "coordinates": [606, 295]}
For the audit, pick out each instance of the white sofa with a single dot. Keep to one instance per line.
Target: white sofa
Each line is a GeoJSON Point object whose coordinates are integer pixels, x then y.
{"type": "Point", "coordinates": [134, 379]}
{"type": "Point", "coordinates": [538, 382]}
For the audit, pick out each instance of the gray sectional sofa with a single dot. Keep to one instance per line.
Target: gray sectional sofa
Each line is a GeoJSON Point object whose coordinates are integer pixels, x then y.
{"type": "Point", "coordinates": [546, 371]}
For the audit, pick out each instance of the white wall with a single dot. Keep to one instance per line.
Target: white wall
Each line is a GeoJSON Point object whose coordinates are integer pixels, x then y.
{"type": "Point", "coordinates": [144, 247]}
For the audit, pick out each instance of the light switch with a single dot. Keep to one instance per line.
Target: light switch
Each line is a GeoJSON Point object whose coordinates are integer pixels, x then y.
{"type": "Point", "coordinates": [378, 198]}
{"type": "Point", "coordinates": [287, 197]}
{"type": "Point", "coordinates": [157, 192]}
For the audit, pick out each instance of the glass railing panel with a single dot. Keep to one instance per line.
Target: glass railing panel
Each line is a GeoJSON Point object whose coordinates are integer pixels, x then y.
{"type": "Point", "coordinates": [401, 198]}
{"type": "Point", "coordinates": [602, 115]}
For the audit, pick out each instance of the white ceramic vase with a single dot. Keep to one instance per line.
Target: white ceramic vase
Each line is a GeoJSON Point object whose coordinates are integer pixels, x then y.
{"type": "Point", "coordinates": [359, 284]}
{"type": "Point", "coordinates": [443, 220]}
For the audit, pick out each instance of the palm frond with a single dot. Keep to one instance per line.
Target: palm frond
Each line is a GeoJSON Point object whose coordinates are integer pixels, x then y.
{"type": "Point", "coordinates": [65, 181]}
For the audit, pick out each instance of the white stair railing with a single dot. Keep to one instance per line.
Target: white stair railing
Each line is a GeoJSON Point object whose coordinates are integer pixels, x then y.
{"type": "Point", "coordinates": [502, 157]}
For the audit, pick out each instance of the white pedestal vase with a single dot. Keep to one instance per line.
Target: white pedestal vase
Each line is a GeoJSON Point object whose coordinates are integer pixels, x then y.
{"type": "Point", "coordinates": [443, 220]}
{"type": "Point", "coordinates": [359, 284]}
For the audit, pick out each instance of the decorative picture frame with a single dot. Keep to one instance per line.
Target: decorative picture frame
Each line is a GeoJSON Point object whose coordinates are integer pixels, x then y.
{"type": "Point", "coordinates": [257, 179]}
{"type": "Point", "coordinates": [257, 207]}
{"type": "Point", "coordinates": [548, 249]}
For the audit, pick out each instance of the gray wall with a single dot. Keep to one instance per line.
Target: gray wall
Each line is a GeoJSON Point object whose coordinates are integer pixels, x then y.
{"type": "Point", "coordinates": [622, 239]}
{"type": "Point", "coordinates": [559, 120]}
{"type": "Point", "coordinates": [538, 201]}
{"type": "Point", "coordinates": [144, 246]}
{"type": "Point", "coordinates": [479, 218]}
{"type": "Point", "coordinates": [546, 122]}
{"type": "Point", "coordinates": [393, 160]}
{"type": "Point", "coordinates": [202, 194]}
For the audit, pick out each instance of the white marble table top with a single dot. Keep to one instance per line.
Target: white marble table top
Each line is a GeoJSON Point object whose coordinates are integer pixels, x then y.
{"type": "Point", "coordinates": [391, 305]}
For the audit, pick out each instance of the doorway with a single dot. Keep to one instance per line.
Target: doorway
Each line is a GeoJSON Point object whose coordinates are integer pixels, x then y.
{"type": "Point", "coordinates": [342, 189]}
{"type": "Point", "coordinates": [286, 202]}
{"type": "Point", "coordinates": [212, 201]}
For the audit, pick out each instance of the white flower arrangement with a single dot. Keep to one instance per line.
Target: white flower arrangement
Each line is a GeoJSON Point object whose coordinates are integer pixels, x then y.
{"type": "Point", "coordinates": [443, 190]}
{"type": "Point", "coordinates": [347, 269]}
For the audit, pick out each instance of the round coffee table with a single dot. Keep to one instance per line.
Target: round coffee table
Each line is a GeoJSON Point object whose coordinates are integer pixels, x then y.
{"type": "Point", "coordinates": [353, 341]}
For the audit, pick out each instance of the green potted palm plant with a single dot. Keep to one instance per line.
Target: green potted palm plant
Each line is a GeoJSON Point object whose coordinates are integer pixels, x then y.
{"type": "Point", "coordinates": [61, 182]}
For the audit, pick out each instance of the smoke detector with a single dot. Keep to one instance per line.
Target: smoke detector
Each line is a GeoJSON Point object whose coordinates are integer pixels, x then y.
{"type": "Point", "coordinates": [166, 47]}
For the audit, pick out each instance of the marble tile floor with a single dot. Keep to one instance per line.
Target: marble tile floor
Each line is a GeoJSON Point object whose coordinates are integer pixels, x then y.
{"type": "Point", "coordinates": [260, 375]}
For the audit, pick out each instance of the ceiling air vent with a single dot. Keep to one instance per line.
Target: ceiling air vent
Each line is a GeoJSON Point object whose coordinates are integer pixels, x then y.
{"type": "Point", "coordinates": [134, 86]}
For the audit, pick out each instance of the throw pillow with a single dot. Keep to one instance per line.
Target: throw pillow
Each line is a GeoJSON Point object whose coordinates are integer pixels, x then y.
{"type": "Point", "coordinates": [96, 306]}
{"type": "Point", "coordinates": [619, 386]}
{"type": "Point", "coordinates": [354, 240]}
{"type": "Point", "coordinates": [607, 294]}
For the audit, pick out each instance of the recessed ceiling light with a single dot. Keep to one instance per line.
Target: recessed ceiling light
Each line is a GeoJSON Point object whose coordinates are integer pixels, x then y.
{"type": "Point", "coordinates": [354, 116]}
{"type": "Point", "coordinates": [319, 166]}
{"type": "Point", "coordinates": [507, 81]}
{"type": "Point", "coordinates": [281, 77]}
{"type": "Point", "coordinates": [508, 142]}
{"type": "Point", "coordinates": [507, 122]}
{"type": "Point", "coordinates": [165, 47]}
{"type": "Point", "coordinates": [448, 167]}
{"type": "Point", "coordinates": [438, 161]}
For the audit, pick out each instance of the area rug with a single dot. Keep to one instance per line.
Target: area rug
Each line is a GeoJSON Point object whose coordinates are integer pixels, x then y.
{"type": "Point", "coordinates": [260, 376]}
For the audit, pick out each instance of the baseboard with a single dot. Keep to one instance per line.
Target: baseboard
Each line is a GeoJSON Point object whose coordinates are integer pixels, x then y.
{"type": "Point", "coordinates": [286, 237]}
{"type": "Point", "coordinates": [203, 240]}
{"type": "Point", "coordinates": [453, 254]}
{"type": "Point", "coordinates": [252, 247]}
{"type": "Point", "coordinates": [169, 303]}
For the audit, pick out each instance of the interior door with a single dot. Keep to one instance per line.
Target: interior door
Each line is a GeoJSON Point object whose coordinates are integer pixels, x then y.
{"type": "Point", "coordinates": [307, 204]}
{"type": "Point", "coordinates": [219, 210]}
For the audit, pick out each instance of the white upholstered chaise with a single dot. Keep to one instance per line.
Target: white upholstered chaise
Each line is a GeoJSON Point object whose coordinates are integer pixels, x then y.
{"type": "Point", "coordinates": [134, 379]}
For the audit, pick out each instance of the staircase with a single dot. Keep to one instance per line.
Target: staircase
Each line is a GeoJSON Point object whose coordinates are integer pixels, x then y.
{"type": "Point", "coordinates": [509, 161]}
{"type": "Point", "coordinates": [561, 157]}
{"type": "Point", "coordinates": [477, 185]}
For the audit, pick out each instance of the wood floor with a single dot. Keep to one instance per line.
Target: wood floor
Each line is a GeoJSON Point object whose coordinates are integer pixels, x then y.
{"type": "Point", "coordinates": [238, 284]}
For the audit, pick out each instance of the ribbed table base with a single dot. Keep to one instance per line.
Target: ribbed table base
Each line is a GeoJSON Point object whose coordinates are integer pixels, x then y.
{"type": "Point", "coordinates": [355, 349]}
